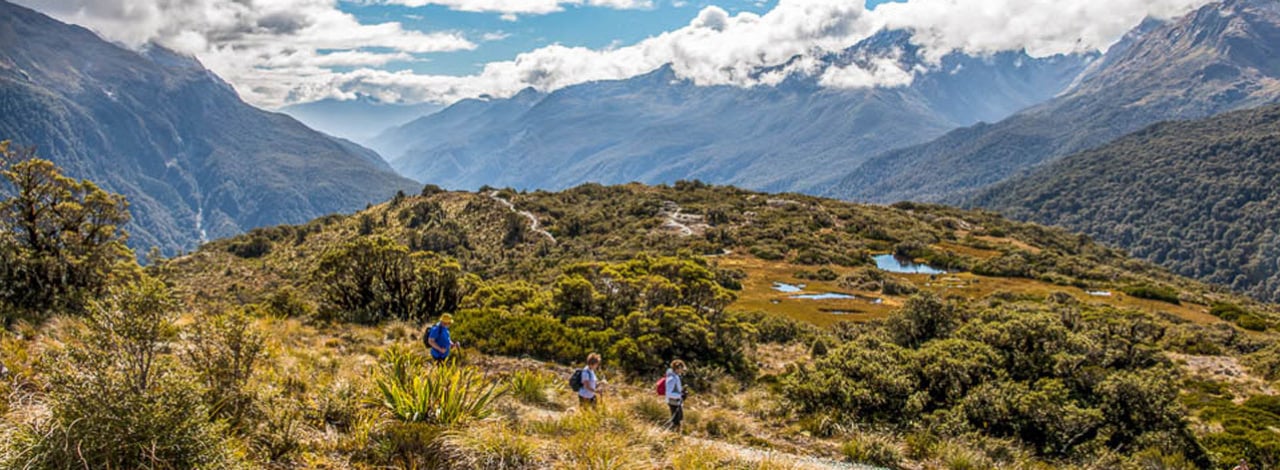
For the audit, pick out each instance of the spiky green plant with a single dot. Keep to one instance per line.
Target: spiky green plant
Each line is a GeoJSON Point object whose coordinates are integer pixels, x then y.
{"type": "Point", "coordinates": [442, 393]}
{"type": "Point", "coordinates": [530, 386]}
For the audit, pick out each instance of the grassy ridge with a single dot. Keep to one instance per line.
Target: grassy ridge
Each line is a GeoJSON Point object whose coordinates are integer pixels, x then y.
{"type": "Point", "coordinates": [1007, 362]}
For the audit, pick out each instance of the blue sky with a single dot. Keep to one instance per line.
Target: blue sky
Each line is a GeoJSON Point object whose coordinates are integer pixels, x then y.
{"type": "Point", "coordinates": [586, 26]}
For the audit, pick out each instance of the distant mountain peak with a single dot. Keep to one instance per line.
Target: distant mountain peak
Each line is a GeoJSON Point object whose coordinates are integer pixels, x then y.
{"type": "Point", "coordinates": [170, 135]}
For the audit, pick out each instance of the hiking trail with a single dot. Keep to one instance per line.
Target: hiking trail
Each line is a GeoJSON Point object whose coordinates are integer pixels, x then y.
{"type": "Point", "coordinates": [534, 224]}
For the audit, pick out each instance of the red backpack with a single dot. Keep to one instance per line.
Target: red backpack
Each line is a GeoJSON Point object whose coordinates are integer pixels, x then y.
{"type": "Point", "coordinates": [662, 386]}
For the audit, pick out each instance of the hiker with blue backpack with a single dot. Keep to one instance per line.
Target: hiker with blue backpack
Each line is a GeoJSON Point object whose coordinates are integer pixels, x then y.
{"type": "Point", "coordinates": [438, 340]}
{"type": "Point", "coordinates": [672, 388]}
{"type": "Point", "coordinates": [586, 382]}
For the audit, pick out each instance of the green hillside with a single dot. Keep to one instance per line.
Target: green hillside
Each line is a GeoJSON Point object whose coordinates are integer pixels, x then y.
{"type": "Point", "coordinates": [1198, 197]}
{"type": "Point", "coordinates": [299, 346]}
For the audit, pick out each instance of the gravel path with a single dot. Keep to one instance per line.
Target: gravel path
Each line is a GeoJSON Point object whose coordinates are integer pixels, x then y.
{"type": "Point", "coordinates": [534, 224]}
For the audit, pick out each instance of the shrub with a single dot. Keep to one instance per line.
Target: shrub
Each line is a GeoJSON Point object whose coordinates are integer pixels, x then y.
{"type": "Point", "coordinates": [286, 302]}
{"type": "Point", "coordinates": [1267, 403]}
{"type": "Point", "coordinates": [443, 393]}
{"type": "Point", "coordinates": [372, 279]}
{"type": "Point", "coordinates": [61, 240]}
{"type": "Point", "coordinates": [1163, 294]}
{"type": "Point", "coordinates": [115, 397]}
{"type": "Point", "coordinates": [922, 318]}
{"type": "Point", "coordinates": [1253, 323]}
{"type": "Point", "coordinates": [431, 190]}
{"type": "Point", "coordinates": [224, 351]}
{"type": "Point", "coordinates": [1265, 362]}
{"type": "Point", "coordinates": [1227, 311]}
{"type": "Point", "coordinates": [768, 252]}
{"type": "Point", "coordinates": [250, 246]}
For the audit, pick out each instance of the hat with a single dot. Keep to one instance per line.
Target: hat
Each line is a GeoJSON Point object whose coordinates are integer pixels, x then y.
{"type": "Point", "coordinates": [446, 318]}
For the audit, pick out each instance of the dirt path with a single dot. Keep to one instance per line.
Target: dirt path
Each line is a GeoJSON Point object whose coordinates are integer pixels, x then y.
{"type": "Point", "coordinates": [534, 224]}
{"type": "Point", "coordinates": [793, 461]}
{"type": "Point", "coordinates": [674, 221]}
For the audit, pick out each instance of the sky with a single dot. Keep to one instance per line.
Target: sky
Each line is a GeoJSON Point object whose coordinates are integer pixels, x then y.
{"type": "Point", "coordinates": [280, 52]}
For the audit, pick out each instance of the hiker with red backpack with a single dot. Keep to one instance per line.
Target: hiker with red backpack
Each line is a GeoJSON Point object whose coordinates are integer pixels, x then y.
{"type": "Point", "coordinates": [586, 383]}
{"type": "Point", "coordinates": [672, 388]}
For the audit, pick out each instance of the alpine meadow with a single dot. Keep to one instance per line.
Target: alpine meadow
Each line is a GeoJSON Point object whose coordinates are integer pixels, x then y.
{"type": "Point", "coordinates": [792, 234]}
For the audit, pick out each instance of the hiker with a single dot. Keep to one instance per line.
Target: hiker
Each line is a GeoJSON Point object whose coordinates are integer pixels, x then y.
{"type": "Point", "coordinates": [438, 340]}
{"type": "Point", "coordinates": [675, 394]}
{"type": "Point", "coordinates": [1244, 465]}
{"type": "Point", "coordinates": [588, 382]}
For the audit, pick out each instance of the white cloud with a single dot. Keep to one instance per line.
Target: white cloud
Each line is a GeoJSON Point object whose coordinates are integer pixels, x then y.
{"type": "Point", "coordinates": [511, 8]}
{"type": "Point", "coordinates": [494, 36]}
{"type": "Point", "coordinates": [243, 40]}
{"type": "Point", "coordinates": [269, 49]}
{"type": "Point", "coordinates": [1042, 27]}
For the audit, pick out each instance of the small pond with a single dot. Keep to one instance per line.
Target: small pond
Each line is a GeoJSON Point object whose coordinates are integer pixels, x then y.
{"type": "Point", "coordinates": [899, 264]}
{"type": "Point", "coordinates": [824, 296]}
{"type": "Point", "coordinates": [787, 288]}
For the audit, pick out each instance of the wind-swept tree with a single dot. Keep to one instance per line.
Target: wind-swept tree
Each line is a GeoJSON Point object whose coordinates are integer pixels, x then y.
{"type": "Point", "coordinates": [60, 239]}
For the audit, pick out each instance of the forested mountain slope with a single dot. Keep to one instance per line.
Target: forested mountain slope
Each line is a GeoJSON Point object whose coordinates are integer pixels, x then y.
{"type": "Point", "coordinates": [1219, 58]}
{"type": "Point", "coordinates": [1199, 197]}
{"type": "Point", "coordinates": [195, 161]}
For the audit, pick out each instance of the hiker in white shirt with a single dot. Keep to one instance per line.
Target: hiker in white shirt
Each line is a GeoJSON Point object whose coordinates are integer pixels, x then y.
{"type": "Point", "coordinates": [675, 395]}
{"type": "Point", "coordinates": [590, 382]}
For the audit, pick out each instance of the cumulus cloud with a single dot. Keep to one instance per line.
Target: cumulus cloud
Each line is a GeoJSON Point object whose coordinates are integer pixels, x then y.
{"type": "Point", "coordinates": [240, 39]}
{"type": "Point", "coordinates": [269, 49]}
{"type": "Point", "coordinates": [510, 9]}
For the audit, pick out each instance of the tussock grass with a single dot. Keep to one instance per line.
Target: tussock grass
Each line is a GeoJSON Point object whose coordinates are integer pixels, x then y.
{"type": "Point", "coordinates": [531, 386]}
{"type": "Point", "coordinates": [875, 449]}
{"type": "Point", "coordinates": [493, 446]}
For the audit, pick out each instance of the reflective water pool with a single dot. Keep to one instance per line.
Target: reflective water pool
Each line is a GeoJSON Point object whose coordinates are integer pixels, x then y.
{"type": "Point", "coordinates": [898, 264]}
{"type": "Point", "coordinates": [824, 296]}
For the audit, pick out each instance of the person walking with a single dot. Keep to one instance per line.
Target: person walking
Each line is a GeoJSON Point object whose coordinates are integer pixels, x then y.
{"type": "Point", "coordinates": [675, 394]}
{"type": "Point", "coordinates": [438, 339]}
{"type": "Point", "coordinates": [590, 388]}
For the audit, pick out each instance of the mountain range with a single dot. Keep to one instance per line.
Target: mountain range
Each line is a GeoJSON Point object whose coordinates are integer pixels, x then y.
{"type": "Point", "coordinates": [1221, 57]}
{"type": "Point", "coordinates": [194, 160]}
{"type": "Point", "coordinates": [360, 119]}
{"type": "Point", "coordinates": [658, 127]}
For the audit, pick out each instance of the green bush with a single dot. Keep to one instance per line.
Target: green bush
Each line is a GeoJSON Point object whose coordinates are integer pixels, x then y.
{"type": "Point", "coordinates": [286, 302]}
{"type": "Point", "coordinates": [1163, 294]}
{"type": "Point", "coordinates": [224, 351]}
{"type": "Point", "coordinates": [1253, 323]}
{"type": "Point", "coordinates": [640, 314]}
{"type": "Point", "coordinates": [1265, 362]}
{"type": "Point", "coordinates": [1267, 403]}
{"type": "Point", "coordinates": [768, 252]}
{"type": "Point", "coordinates": [116, 396]}
{"type": "Point", "coordinates": [250, 246]}
{"type": "Point", "coordinates": [1227, 311]}
{"type": "Point", "coordinates": [371, 279]}
{"type": "Point", "coordinates": [61, 240]}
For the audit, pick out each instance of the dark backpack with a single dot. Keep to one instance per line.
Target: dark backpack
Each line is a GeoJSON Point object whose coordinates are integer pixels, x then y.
{"type": "Point", "coordinates": [426, 336]}
{"type": "Point", "coordinates": [575, 380]}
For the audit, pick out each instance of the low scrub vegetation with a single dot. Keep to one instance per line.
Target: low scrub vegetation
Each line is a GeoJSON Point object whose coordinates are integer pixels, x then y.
{"type": "Point", "coordinates": [301, 346]}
